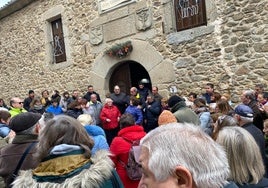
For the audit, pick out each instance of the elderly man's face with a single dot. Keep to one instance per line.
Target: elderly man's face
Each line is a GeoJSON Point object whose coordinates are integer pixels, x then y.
{"type": "Point", "coordinates": [244, 99]}
{"type": "Point", "coordinates": [148, 179]}
{"type": "Point", "coordinates": [17, 103]}
{"type": "Point", "coordinates": [133, 92]}
{"type": "Point", "coordinates": [93, 98]}
{"type": "Point", "coordinates": [116, 90]}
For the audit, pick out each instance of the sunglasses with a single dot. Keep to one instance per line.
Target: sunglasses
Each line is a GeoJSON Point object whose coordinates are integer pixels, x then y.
{"type": "Point", "coordinates": [19, 102]}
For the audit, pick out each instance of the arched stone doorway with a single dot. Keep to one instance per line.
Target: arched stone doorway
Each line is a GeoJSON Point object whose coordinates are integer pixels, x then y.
{"type": "Point", "coordinates": [128, 74]}
{"type": "Point", "coordinates": [160, 70]}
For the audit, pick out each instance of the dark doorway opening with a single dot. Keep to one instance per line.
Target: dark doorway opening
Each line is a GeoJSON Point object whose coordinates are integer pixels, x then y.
{"type": "Point", "coordinates": [127, 75]}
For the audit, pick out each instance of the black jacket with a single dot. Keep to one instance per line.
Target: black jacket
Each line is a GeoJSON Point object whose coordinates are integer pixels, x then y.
{"type": "Point", "coordinates": [87, 96]}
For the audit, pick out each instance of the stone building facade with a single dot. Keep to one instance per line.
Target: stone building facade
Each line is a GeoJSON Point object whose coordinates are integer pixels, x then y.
{"type": "Point", "coordinates": [231, 50]}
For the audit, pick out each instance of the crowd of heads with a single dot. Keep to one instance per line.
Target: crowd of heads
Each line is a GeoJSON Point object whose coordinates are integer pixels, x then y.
{"type": "Point", "coordinates": [180, 152]}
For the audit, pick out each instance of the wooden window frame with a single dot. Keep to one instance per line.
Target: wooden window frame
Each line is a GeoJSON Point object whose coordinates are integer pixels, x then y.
{"type": "Point", "coordinates": [189, 15]}
{"type": "Point", "coordinates": [58, 45]}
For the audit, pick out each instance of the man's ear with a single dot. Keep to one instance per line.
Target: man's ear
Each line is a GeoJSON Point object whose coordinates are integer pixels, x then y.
{"type": "Point", "coordinates": [37, 128]}
{"type": "Point", "coordinates": [184, 177]}
{"type": "Point", "coordinates": [2, 120]}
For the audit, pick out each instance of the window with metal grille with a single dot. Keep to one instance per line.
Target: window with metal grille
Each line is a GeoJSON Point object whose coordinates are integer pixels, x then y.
{"type": "Point", "coordinates": [190, 13]}
{"type": "Point", "coordinates": [58, 46]}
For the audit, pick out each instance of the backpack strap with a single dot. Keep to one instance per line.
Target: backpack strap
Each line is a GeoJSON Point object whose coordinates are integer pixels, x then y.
{"type": "Point", "coordinates": [131, 142]}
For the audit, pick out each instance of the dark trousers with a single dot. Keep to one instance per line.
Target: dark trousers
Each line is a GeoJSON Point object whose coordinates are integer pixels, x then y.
{"type": "Point", "coordinates": [110, 134]}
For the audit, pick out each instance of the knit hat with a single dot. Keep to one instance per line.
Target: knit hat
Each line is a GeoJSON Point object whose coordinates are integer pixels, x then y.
{"type": "Point", "coordinates": [174, 100]}
{"type": "Point", "coordinates": [24, 121]}
{"type": "Point", "coordinates": [166, 117]}
{"type": "Point", "coordinates": [244, 110]}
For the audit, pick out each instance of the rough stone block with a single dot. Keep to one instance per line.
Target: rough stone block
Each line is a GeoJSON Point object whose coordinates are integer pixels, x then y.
{"type": "Point", "coordinates": [167, 72]}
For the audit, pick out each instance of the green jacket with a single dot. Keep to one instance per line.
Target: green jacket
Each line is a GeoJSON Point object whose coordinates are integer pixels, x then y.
{"type": "Point", "coordinates": [16, 111]}
{"type": "Point", "coordinates": [184, 114]}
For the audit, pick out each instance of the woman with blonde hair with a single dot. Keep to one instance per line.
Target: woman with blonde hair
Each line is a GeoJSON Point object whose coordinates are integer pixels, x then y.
{"type": "Point", "coordinates": [64, 152]}
{"type": "Point", "coordinates": [245, 160]}
{"type": "Point", "coordinates": [224, 107]}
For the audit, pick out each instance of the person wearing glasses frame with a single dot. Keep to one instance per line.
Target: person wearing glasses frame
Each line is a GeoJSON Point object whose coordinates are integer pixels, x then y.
{"type": "Point", "coordinates": [16, 105]}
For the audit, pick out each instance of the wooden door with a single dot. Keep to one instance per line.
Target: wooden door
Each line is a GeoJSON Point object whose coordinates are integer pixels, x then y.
{"type": "Point", "coordinates": [121, 76]}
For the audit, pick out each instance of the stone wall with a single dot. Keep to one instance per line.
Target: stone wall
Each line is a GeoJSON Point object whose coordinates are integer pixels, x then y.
{"type": "Point", "coordinates": [231, 51]}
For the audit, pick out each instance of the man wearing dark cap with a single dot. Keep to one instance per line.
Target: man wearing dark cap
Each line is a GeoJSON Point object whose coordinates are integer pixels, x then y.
{"type": "Point", "coordinates": [182, 113]}
{"type": "Point", "coordinates": [26, 126]}
{"type": "Point", "coordinates": [244, 116]}
{"type": "Point", "coordinates": [28, 100]}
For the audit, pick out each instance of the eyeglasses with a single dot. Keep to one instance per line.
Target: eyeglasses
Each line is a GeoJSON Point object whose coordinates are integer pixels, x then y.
{"type": "Point", "coordinates": [19, 102]}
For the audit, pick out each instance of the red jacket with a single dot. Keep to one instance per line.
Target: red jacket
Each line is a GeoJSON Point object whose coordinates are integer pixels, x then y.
{"type": "Point", "coordinates": [112, 113]}
{"type": "Point", "coordinates": [120, 148]}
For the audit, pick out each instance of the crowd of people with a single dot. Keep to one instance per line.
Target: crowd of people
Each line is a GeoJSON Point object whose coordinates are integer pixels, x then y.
{"type": "Point", "coordinates": [195, 141]}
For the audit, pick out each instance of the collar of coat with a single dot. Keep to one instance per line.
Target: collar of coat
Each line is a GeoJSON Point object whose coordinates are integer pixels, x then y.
{"type": "Point", "coordinates": [177, 106]}
{"type": "Point", "coordinates": [19, 139]}
{"type": "Point", "coordinates": [93, 176]}
{"type": "Point", "coordinates": [56, 168]}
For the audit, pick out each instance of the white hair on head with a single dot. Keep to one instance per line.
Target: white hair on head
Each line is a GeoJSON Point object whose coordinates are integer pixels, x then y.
{"type": "Point", "coordinates": [108, 100]}
{"type": "Point", "coordinates": [243, 154]}
{"type": "Point", "coordinates": [183, 144]}
{"type": "Point", "coordinates": [85, 119]}
{"type": "Point", "coordinates": [250, 94]}
{"type": "Point", "coordinates": [246, 119]}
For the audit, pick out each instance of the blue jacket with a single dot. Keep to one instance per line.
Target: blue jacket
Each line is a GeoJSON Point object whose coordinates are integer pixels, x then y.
{"type": "Point", "coordinates": [98, 136]}
{"type": "Point", "coordinates": [4, 130]}
{"type": "Point", "coordinates": [136, 112]}
{"type": "Point", "coordinates": [54, 110]}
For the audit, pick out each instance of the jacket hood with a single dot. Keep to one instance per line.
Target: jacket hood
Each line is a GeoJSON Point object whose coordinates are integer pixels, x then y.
{"type": "Point", "coordinates": [134, 132]}
{"type": "Point", "coordinates": [177, 106]}
{"type": "Point", "coordinates": [99, 171]}
{"type": "Point", "coordinates": [94, 130]}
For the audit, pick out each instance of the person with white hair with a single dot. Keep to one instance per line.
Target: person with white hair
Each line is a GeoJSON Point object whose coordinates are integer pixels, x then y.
{"type": "Point", "coordinates": [96, 132]}
{"type": "Point", "coordinates": [110, 116]}
{"type": "Point", "coordinates": [247, 168]}
{"type": "Point", "coordinates": [182, 155]}
{"type": "Point", "coordinates": [244, 116]}
{"type": "Point", "coordinates": [248, 98]}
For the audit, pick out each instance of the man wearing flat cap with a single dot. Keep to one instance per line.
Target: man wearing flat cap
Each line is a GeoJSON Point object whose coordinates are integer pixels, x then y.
{"type": "Point", "coordinates": [26, 126]}
{"type": "Point", "coordinates": [244, 116]}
